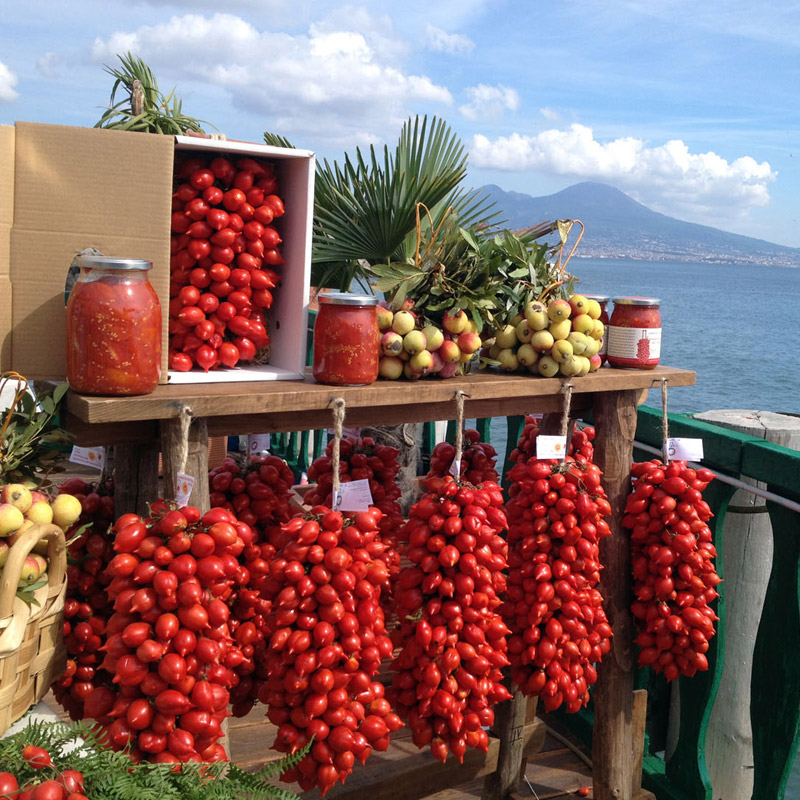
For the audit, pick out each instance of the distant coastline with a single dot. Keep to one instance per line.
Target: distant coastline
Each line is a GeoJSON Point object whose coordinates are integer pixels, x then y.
{"type": "Point", "coordinates": [680, 259]}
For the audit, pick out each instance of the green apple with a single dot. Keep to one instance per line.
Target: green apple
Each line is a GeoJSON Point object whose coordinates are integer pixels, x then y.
{"type": "Point", "coordinates": [561, 351]}
{"type": "Point", "coordinates": [403, 322]}
{"type": "Point", "coordinates": [536, 315]}
{"type": "Point", "coordinates": [583, 323]}
{"type": "Point", "coordinates": [524, 331]}
{"type": "Point", "coordinates": [385, 317]}
{"type": "Point", "coordinates": [433, 336]}
{"type": "Point", "coordinates": [578, 342]}
{"type": "Point", "coordinates": [508, 360]}
{"type": "Point", "coordinates": [561, 329]}
{"type": "Point", "coordinates": [547, 367]}
{"type": "Point", "coordinates": [593, 309]}
{"type": "Point", "coordinates": [414, 342]}
{"type": "Point", "coordinates": [390, 368]}
{"type": "Point", "coordinates": [542, 341]}
{"type": "Point", "coordinates": [506, 337]}
{"type": "Point", "coordinates": [10, 519]}
{"type": "Point", "coordinates": [526, 355]}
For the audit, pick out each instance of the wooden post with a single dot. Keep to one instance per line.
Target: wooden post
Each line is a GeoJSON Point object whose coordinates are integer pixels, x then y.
{"type": "Point", "coordinates": [135, 477]}
{"type": "Point", "coordinates": [508, 725]}
{"type": "Point", "coordinates": [615, 423]}
{"type": "Point", "coordinates": [196, 459]}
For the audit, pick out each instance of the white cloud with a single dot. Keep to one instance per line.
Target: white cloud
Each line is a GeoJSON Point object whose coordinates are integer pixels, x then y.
{"type": "Point", "coordinates": [454, 44]}
{"type": "Point", "coordinates": [318, 82]}
{"type": "Point", "coordinates": [550, 114]}
{"type": "Point", "coordinates": [489, 101]}
{"type": "Point", "coordinates": [8, 80]}
{"type": "Point", "coordinates": [667, 177]}
{"type": "Point", "coordinates": [49, 64]}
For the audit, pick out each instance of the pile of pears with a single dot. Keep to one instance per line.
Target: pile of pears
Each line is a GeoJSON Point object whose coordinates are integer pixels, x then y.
{"type": "Point", "coordinates": [562, 337]}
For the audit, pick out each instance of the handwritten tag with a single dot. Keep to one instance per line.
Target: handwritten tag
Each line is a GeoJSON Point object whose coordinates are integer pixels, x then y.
{"type": "Point", "coordinates": [685, 449]}
{"type": "Point", "coordinates": [257, 443]}
{"type": "Point", "coordinates": [183, 490]}
{"type": "Point", "coordinates": [455, 468]}
{"type": "Point", "coordinates": [551, 447]}
{"type": "Point", "coordinates": [353, 496]}
{"type": "Point", "coordinates": [89, 456]}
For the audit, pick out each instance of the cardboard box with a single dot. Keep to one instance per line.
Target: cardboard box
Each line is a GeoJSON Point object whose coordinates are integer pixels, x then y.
{"type": "Point", "coordinates": [84, 187]}
{"type": "Point", "coordinates": [6, 219]}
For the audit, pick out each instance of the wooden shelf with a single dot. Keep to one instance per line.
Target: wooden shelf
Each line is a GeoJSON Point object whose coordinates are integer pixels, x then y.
{"type": "Point", "coordinates": [274, 406]}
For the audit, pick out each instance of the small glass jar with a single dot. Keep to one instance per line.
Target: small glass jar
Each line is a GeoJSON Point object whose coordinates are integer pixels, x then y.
{"type": "Point", "coordinates": [602, 300]}
{"type": "Point", "coordinates": [634, 333]}
{"type": "Point", "coordinates": [113, 328]}
{"type": "Point", "coordinates": [346, 339]}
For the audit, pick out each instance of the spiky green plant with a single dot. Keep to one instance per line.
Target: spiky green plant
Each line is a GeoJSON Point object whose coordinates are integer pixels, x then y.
{"type": "Point", "coordinates": [365, 208]}
{"type": "Point", "coordinates": [145, 107]}
{"type": "Point", "coordinates": [111, 775]}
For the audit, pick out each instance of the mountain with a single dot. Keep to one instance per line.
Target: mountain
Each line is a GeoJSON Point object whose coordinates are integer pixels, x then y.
{"type": "Point", "coordinates": [619, 227]}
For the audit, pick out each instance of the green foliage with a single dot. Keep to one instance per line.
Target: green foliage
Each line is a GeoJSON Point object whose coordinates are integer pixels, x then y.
{"type": "Point", "coordinates": [110, 775]}
{"type": "Point", "coordinates": [365, 208]}
{"type": "Point", "coordinates": [28, 445]}
{"type": "Point", "coordinates": [158, 113]}
{"type": "Point", "coordinates": [489, 275]}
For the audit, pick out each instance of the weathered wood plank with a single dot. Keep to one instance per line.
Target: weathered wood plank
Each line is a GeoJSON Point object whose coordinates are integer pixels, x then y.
{"type": "Point", "coordinates": [136, 477]}
{"type": "Point", "coordinates": [196, 459]}
{"type": "Point", "coordinates": [275, 397]}
{"type": "Point", "coordinates": [775, 690]}
{"type": "Point", "coordinates": [615, 423]}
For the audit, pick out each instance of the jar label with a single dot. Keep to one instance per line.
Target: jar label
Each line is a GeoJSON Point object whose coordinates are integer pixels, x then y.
{"type": "Point", "coordinates": [642, 345]}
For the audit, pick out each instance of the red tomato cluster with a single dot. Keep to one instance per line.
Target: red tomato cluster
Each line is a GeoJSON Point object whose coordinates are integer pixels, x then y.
{"type": "Point", "coordinates": [326, 644]}
{"type": "Point", "coordinates": [258, 495]}
{"type": "Point", "coordinates": [66, 785]}
{"type": "Point", "coordinates": [86, 607]}
{"type": "Point", "coordinates": [453, 641]}
{"type": "Point", "coordinates": [553, 607]}
{"type": "Point", "coordinates": [672, 557]}
{"type": "Point", "coordinates": [580, 443]}
{"type": "Point", "coordinates": [477, 459]}
{"type": "Point", "coordinates": [363, 459]}
{"type": "Point", "coordinates": [223, 246]}
{"type": "Point", "coordinates": [169, 653]}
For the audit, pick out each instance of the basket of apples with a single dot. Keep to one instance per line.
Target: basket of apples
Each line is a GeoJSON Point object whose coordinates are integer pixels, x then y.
{"type": "Point", "coordinates": [33, 584]}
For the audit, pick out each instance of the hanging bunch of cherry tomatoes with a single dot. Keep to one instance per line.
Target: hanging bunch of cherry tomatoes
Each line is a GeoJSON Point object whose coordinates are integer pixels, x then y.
{"type": "Point", "coordinates": [477, 459]}
{"type": "Point", "coordinates": [672, 555]}
{"type": "Point", "coordinates": [452, 639]}
{"type": "Point", "coordinates": [553, 606]}
{"type": "Point", "coordinates": [170, 659]}
{"type": "Point", "coordinates": [223, 250]}
{"type": "Point", "coordinates": [363, 459]}
{"type": "Point", "coordinates": [86, 606]}
{"type": "Point", "coordinates": [327, 639]}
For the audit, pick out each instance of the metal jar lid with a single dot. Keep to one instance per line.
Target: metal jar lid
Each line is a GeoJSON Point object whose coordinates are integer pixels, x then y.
{"type": "Point", "coordinates": [346, 299]}
{"type": "Point", "coordinates": [601, 298]}
{"type": "Point", "coordinates": [636, 301]}
{"type": "Point", "coordinates": [107, 262]}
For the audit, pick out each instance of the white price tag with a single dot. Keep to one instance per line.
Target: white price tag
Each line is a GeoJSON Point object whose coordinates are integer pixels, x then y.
{"type": "Point", "coordinates": [353, 496]}
{"type": "Point", "coordinates": [257, 443]}
{"type": "Point", "coordinates": [551, 447]}
{"type": "Point", "coordinates": [183, 489]}
{"type": "Point", "coordinates": [455, 468]}
{"type": "Point", "coordinates": [89, 456]}
{"type": "Point", "coordinates": [685, 449]}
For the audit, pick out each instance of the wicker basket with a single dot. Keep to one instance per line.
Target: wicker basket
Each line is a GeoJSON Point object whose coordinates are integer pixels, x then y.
{"type": "Point", "coordinates": [32, 652]}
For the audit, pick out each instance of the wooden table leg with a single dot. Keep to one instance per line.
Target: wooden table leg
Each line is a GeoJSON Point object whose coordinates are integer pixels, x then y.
{"type": "Point", "coordinates": [196, 460]}
{"type": "Point", "coordinates": [135, 477]}
{"type": "Point", "coordinates": [508, 725]}
{"type": "Point", "coordinates": [615, 423]}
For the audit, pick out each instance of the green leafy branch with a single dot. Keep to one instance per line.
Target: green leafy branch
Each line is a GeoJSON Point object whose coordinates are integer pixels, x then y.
{"type": "Point", "coordinates": [28, 444]}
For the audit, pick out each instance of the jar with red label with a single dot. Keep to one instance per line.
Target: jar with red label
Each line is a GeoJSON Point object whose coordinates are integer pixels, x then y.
{"type": "Point", "coordinates": [602, 301]}
{"type": "Point", "coordinates": [634, 333]}
{"type": "Point", "coordinates": [113, 328]}
{"type": "Point", "coordinates": [346, 339]}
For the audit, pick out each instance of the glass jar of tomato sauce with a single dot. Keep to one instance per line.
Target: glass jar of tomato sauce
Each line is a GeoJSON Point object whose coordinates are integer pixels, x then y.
{"type": "Point", "coordinates": [602, 300]}
{"type": "Point", "coordinates": [346, 339]}
{"type": "Point", "coordinates": [113, 328]}
{"type": "Point", "coordinates": [634, 333]}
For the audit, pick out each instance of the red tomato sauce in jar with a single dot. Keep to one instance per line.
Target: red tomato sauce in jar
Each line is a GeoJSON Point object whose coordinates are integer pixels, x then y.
{"type": "Point", "coordinates": [346, 339]}
{"type": "Point", "coordinates": [634, 333]}
{"type": "Point", "coordinates": [113, 328]}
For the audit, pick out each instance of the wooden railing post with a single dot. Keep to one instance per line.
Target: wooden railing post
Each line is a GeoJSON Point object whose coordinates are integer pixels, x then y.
{"type": "Point", "coordinates": [613, 768]}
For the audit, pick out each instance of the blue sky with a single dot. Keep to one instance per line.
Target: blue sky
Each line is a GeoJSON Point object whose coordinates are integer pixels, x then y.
{"type": "Point", "coordinates": [690, 108]}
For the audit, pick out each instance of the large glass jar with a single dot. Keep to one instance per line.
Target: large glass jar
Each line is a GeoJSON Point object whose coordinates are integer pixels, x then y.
{"type": "Point", "coordinates": [634, 333]}
{"type": "Point", "coordinates": [346, 339]}
{"type": "Point", "coordinates": [602, 300]}
{"type": "Point", "coordinates": [113, 328]}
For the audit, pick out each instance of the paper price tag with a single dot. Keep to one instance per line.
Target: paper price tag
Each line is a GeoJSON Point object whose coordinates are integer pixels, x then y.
{"type": "Point", "coordinates": [455, 468]}
{"type": "Point", "coordinates": [257, 443]}
{"type": "Point", "coordinates": [551, 447]}
{"type": "Point", "coordinates": [89, 456]}
{"type": "Point", "coordinates": [183, 490]}
{"type": "Point", "coordinates": [685, 449]}
{"type": "Point", "coordinates": [353, 496]}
